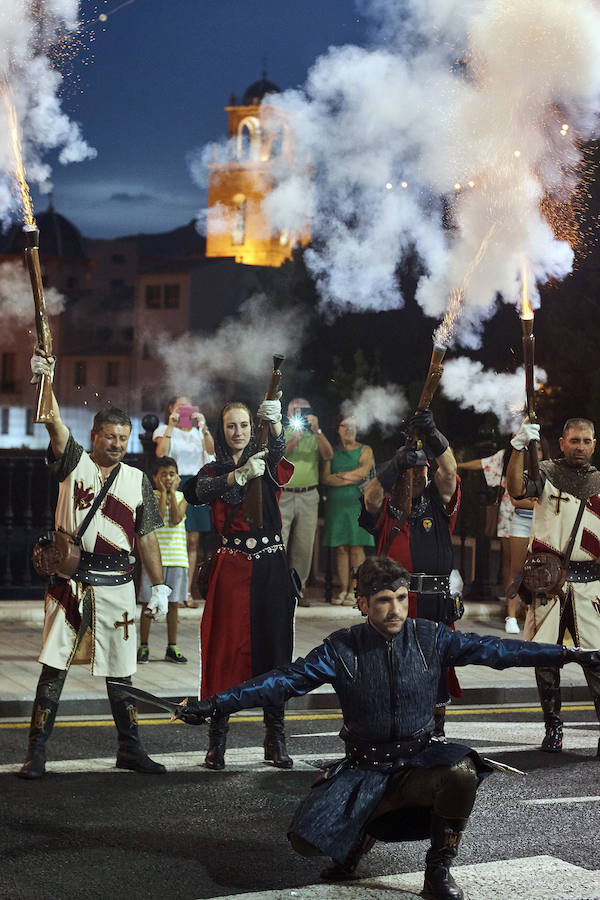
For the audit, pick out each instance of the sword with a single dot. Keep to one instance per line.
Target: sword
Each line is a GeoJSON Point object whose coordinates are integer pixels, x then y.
{"type": "Point", "coordinates": [127, 690]}
{"type": "Point", "coordinates": [502, 767]}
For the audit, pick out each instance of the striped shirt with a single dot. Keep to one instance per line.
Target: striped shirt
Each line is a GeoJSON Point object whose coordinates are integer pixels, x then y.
{"type": "Point", "coordinates": [171, 538]}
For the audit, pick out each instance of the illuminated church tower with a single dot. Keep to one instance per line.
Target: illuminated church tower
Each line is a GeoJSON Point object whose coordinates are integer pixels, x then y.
{"type": "Point", "coordinates": [261, 142]}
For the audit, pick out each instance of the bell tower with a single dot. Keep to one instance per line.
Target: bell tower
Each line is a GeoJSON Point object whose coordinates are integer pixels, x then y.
{"type": "Point", "coordinates": [261, 142]}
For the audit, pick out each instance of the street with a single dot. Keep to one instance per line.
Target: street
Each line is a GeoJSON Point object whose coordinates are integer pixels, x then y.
{"type": "Point", "coordinates": [89, 831]}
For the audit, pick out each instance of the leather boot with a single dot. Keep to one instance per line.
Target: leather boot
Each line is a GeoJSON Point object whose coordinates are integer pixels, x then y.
{"type": "Point", "coordinates": [131, 753]}
{"type": "Point", "coordinates": [346, 871]}
{"type": "Point", "coordinates": [548, 685]}
{"type": "Point", "coordinates": [43, 714]}
{"type": "Point", "coordinates": [275, 749]}
{"type": "Point", "coordinates": [445, 838]}
{"type": "Point", "coordinates": [217, 737]}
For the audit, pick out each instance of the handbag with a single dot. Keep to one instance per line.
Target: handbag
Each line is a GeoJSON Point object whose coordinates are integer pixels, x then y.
{"type": "Point", "coordinates": [544, 574]}
{"type": "Point", "coordinates": [58, 553]}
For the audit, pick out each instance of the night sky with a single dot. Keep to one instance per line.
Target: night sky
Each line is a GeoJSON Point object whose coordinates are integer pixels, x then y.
{"type": "Point", "coordinates": [149, 85]}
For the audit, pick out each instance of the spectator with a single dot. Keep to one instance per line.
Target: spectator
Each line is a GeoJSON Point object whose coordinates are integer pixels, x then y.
{"type": "Point", "coordinates": [306, 447]}
{"type": "Point", "coordinates": [173, 550]}
{"type": "Point", "coordinates": [351, 464]}
{"type": "Point", "coordinates": [192, 447]}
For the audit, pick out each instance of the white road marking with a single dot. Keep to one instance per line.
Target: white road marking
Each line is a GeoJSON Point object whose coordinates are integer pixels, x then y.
{"type": "Point", "coordinates": [527, 878]}
{"type": "Point", "coordinates": [237, 759]}
{"type": "Point", "coordinates": [547, 801]}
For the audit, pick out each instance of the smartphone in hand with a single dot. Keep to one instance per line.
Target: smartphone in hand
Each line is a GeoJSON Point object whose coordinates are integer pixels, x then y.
{"type": "Point", "coordinates": [185, 416]}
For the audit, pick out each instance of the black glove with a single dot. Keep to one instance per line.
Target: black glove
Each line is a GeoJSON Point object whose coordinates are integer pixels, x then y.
{"type": "Point", "coordinates": [434, 440]}
{"type": "Point", "coordinates": [588, 659]}
{"type": "Point", "coordinates": [195, 712]}
{"type": "Point", "coordinates": [405, 458]}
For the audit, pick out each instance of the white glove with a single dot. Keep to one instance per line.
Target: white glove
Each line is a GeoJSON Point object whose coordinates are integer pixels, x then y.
{"type": "Point", "coordinates": [159, 602]}
{"type": "Point", "coordinates": [252, 469]}
{"type": "Point", "coordinates": [41, 366]}
{"type": "Point", "coordinates": [269, 411]}
{"type": "Point", "coordinates": [527, 432]}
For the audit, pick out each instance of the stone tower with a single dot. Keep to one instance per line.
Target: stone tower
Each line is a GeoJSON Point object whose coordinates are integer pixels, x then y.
{"type": "Point", "coordinates": [261, 146]}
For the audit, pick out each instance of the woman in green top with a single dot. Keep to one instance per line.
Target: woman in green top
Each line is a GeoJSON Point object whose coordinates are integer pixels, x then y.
{"type": "Point", "coordinates": [350, 465]}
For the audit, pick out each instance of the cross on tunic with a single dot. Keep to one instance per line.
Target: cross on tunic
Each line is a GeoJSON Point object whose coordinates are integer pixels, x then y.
{"type": "Point", "coordinates": [125, 625]}
{"type": "Point", "coordinates": [559, 499]}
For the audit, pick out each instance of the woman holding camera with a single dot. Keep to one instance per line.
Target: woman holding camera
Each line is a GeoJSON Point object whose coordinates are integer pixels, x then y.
{"type": "Point", "coordinates": [247, 624]}
{"type": "Point", "coordinates": [186, 439]}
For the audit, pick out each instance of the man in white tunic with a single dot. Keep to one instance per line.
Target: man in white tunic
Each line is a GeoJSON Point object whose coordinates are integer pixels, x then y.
{"type": "Point", "coordinates": [564, 485]}
{"type": "Point", "coordinates": [91, 615]}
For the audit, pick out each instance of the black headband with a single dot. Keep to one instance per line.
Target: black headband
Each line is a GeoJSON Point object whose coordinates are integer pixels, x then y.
{"type": "Point", "coordinates": [393, 586]}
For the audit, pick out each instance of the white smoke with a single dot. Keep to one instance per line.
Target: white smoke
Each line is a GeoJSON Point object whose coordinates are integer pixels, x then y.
{"type": "Point", "coordinates": [458, 102]}
{"type": "Point", "coordinates": [240, 351]}
{"type": "Point", "coordinates": [376, 405]}
{"type": "Point", "coordinates": [473, 387]}
{"type": "Point", "coordinates": [16, 303]}
{"type": "Point", "coordinates": [28, 32]}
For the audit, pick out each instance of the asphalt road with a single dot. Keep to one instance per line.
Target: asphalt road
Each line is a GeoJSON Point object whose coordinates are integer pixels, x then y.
{"type": "Point", "coordinates": [91, 832]}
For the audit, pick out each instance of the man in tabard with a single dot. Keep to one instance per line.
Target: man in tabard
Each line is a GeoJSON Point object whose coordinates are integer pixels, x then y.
{"type": "Point", "coordinates": [94, 609]}
{"type": "Point", "coordinates": [564, 484]}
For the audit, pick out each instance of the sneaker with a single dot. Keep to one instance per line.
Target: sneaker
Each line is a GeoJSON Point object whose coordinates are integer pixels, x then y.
{"type": "Point", "coordinates": [143, 653]}
{"type": "Point", "coordinates": [174, 654]}
{"type": "Point", "coordinates": [511, 625]}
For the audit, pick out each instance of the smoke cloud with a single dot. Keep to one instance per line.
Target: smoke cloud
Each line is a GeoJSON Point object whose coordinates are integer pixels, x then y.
{"type": "Point", "coordinates": [16, 305]}
{"type": "Point", "coordinates": [28, 33]}
{"type": "Point", "coordinates": [455, 112]}
{"type": "Point", "coordinates": [376, 405]}
{"type": "Point", "coordinates": [474, 387]}
{"type": "Point", "coordinates": [239, 353]}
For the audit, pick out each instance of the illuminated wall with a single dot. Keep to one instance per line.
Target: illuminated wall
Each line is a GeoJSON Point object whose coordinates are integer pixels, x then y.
{"type": "Point", "coordinates": [237, 225]}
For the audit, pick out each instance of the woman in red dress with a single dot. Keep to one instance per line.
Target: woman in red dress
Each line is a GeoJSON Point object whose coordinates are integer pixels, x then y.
{"type": "Point", "coordinates": [247, 624]}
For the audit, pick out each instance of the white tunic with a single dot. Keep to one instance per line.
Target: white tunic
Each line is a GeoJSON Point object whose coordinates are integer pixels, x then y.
{"type": "Point", "coordinates": [553, 519]}
{"type": "Point", "coordinates": [112, 641]}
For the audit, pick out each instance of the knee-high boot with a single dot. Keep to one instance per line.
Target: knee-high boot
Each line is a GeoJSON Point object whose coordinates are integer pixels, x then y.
{"type": "Point", "coordinates": [217, 741]}
{"type": "Point", "coordinates": [43, 714]}
{"type": "Point", "coordinates": [131, 753]}
{"type": "Point", "coordinates": [275, 749]}
{"type": "Point", "coordinates": [445, 838]}
{"type": "Point", "coordinates": [548, 684]}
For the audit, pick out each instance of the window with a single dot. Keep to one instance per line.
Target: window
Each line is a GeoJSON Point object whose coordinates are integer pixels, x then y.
{"type": "Point", "coordinates": [116, 285]}
{"type": "Point", "coordinates": [153, 296]}
{"type": "Point", "coordinates": [8, 373]}
{"type": "Point", "coordinates": [5, 419]}
{"type": "Point", "coordinates": [28, 421]}
{"type": "Point", "coordinates": [238, 231]}
{"type": "Point", "coordinates": [146, 350]}
{"type": "Point", "coordinates": [118, 259]}
{"type": "Point", "coordinates": [112, 374]}
{"type": "Point", "coordinates": [171, 296]}
{"type": "Point", "coordinates": [71, 283]}
{"type": "Point", "coordinates": [127, 333]}
{"type": "Point", "coordinates": [80, 373]}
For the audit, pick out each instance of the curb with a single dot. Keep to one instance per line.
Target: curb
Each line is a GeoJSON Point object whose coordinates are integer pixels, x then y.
{"type": "Point", "coordinates": [31, 612]}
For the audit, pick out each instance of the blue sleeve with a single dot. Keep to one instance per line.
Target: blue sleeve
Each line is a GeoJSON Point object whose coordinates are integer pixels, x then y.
{"type": "Point", "coordinates": [457, 648]}
{"type": "Point", "coordinates": [278, 685]}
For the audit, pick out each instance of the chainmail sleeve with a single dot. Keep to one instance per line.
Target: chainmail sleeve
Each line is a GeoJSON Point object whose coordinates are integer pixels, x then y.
{"type": "Point", "coordinates": [147, 514]}
{"type": "Point", "coordinates": [276, 447]}
{"type": "Point", "coordinates": [205, 488]}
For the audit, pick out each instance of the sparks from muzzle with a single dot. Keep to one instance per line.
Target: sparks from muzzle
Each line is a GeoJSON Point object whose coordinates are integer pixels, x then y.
{"type": "Point", "coordinates": [18, 173]}
{"type": "Point", "coordinates": [444, 334]}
